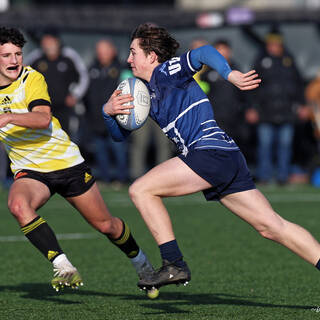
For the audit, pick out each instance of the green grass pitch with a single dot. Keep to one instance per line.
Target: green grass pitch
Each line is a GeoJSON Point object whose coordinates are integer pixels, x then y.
{"type": "Point", "coordinates": [236, 274]}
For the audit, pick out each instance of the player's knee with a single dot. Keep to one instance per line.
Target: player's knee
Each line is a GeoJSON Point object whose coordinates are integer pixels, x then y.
{"type": "Point", "coordinates": [141, 190]}
{"type": "Point", "coordinates": [271, 231]}
{"type": "Point", "coordinates": [17, 207]}
{"type": "Point", "coordinates": [265, 233]}
{"type": "Point", "coordinates": [135, 191]}
{"type": "Point", "coordinates": [105, 227]}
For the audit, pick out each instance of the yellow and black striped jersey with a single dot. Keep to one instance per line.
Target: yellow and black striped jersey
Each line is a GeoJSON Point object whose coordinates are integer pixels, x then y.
{"type": "Point", "coordinates": [42, 150]}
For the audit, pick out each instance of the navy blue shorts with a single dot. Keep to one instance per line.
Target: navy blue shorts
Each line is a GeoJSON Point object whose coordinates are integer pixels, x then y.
{"type": "Point", "coordinates": [226, 171]}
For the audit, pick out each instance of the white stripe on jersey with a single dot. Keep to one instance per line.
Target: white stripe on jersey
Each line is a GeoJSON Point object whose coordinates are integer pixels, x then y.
{"type": "Point", "coordinates": [189, 63]}
{"type": "Point", "coordinates": [211, 128]}
{"type": "Point", "coordinates": [216, 147]}
{"type": "Point", "coordinates": [202, 123]}
{"type": "Point", "coordinates": [172, 123]}
{"type": "Point", "coordinates": [207, 137]}
{"type": "Point", "coordinates": [185, 149]}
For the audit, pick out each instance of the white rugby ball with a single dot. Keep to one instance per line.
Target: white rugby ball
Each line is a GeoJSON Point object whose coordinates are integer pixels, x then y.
{"type": "Point", "coordinates": [139, 114]}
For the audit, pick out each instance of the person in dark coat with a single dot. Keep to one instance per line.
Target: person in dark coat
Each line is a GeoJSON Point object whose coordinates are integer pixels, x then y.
{"type": "Point", "coordinates": [275, 106]}
{"type": "Point", "coordinates": [105, 75]}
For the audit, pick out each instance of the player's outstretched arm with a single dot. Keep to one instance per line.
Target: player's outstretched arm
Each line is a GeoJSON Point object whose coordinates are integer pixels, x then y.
{"type": "Point", "coordinates": [244, 81]}
{"type": "Point", "coordinates": [211, 57]}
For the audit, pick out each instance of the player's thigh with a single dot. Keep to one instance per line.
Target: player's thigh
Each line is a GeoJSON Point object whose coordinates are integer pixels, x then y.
{"type": "Point", "coordinates": [253, 207]}
{"type": "Point", "coordinates": [28, 193]}
{"type": "Point", "coordinates": [91, 205]}
{"type": "Point", "coordinates": [170, 178]}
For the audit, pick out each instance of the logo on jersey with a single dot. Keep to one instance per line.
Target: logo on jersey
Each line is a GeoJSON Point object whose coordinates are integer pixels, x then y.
{"type": "Point", "coordinates": [162, 69]}
{"type": "Point", "coordinates": [87, 177]}
{"type": "Point", "coordinates": [5, 101]}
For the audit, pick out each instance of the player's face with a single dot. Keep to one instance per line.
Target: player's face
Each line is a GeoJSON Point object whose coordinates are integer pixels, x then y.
{"type": "Point", "coordinates": [140, 63]}
{"type": "Point", "coordinates": [10, 63]}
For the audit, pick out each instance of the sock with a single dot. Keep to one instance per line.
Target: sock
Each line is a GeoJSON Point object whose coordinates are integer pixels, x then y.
{"type": "Point", "coordinates": [171, 252]}
{"type": "Point", "coordinates": [42, 237]}
{"type": "Point", "coordinates": [141, 263]}
{"type": "Point", "coordinates": [318, 265]}
{"type": "Point", "coordinates": [126, 242]}
{"type": "Point", "coordinates": [139, 258]}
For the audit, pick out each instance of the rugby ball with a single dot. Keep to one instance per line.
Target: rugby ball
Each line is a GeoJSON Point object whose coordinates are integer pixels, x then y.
{"type": "Point", "coordinates": [139, 114]}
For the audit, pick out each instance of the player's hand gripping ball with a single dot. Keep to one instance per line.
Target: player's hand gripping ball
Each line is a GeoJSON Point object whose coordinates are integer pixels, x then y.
{"type": "Point", "coordinates": [139, 114]}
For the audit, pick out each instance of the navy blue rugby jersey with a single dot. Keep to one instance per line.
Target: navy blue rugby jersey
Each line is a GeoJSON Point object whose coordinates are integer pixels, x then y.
{"type": "Point", "coordinates": [183, 110]}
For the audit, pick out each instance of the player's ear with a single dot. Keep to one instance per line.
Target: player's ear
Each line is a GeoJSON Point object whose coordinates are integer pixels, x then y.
{"type": "Point", "coordinates": [153, 57]}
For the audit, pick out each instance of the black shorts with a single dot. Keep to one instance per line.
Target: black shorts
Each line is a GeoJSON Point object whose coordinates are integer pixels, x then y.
{"type": "Point", "coordinates": [226, 171]}
{"type": "Point", "coordinates": [69, 182]}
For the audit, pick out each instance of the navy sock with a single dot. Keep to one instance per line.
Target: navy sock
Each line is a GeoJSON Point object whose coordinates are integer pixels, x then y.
{"type": "Point", "coordinates": [318, 265]}
{"type": "Point", "coordinates": [171, 252]}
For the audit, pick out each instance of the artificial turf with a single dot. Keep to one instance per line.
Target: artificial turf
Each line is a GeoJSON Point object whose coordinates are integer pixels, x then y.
{"type": "Point", "coordinates": [236, 274]}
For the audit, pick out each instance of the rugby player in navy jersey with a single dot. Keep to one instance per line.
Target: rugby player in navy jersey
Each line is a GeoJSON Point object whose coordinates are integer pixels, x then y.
{"type": "Point", "coordinates": [209, 160]}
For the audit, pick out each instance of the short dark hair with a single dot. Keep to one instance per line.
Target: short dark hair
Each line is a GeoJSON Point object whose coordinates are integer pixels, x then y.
{"type": "Point", "coordinates": [223, 42]}
{"type": "Point", "coordinates": [11, 35]}
{"type": "Point", "coordinates": [157, 39]}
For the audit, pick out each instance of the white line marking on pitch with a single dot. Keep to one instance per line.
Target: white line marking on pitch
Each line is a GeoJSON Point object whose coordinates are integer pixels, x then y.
{"type": "Point", "coordinates": [65, 236]}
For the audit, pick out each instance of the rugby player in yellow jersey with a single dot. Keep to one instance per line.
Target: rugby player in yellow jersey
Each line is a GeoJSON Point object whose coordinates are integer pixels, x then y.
{"type": "Point", "coordinates": [44, 161]}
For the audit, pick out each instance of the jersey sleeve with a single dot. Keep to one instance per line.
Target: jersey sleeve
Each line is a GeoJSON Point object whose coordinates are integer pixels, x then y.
{"type": "Point", "coordinates": [179, 70]}
{"type": "Point", "coordinates": [209, 56]}
{"type": "Point", "coordinates": [36, 91]}
{"type": "Point", "coordinates": [117, 133]}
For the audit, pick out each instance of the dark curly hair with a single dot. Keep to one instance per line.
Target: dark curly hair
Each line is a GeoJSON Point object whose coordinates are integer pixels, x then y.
{"type": "Point", "coordinates": [157, 39]}
{"type": "Point", "coordinates": [11, 35]}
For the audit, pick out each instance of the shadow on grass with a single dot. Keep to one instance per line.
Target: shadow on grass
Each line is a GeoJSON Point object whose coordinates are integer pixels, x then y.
{"type": "Point", "coordinates": [44, 292]}
{"type": "Point", "coordinates": [173, 302]}
{"type": "Point", "coordinates": [168, 302]}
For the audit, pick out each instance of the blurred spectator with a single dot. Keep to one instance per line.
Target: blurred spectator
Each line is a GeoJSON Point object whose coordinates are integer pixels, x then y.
{"type": "Point", "coordinates": [111, 157]}
{"type": "Point", "coordinates": [227, 100]}
{"type": "Point", "coordinates": [198, 42]}
{"type": "Point", "coordinates": [66, 76]}
{"type": "Point", "coordinates": [275, 105]}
